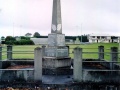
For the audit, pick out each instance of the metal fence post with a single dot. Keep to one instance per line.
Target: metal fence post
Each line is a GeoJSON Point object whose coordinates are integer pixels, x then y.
{"type": "Point", "coordinates": [38, 64]}
{"type": "Point", "coordinates": [77, 72]}
{"type": "Point", "coordinates": [114, 56]}
{"type": "Point", "coordinates": [9, 52]}
{"type": "Point", "coordinates": [101, 52]}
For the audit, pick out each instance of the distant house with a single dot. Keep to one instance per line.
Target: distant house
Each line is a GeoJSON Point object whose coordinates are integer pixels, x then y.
{"type": "Point", "coordinates": [44, 41]}
{"type": "Point", "coordinates": [38, 41]}
{"type": "Point", "coordinates": [103, 38]}
{"type": "Point", "coordinates": [18, 38]}
{"type": "Point", "coordinates": [69, 41]}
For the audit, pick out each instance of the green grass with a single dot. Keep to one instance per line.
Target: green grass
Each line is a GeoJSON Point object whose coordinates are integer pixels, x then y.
{"type": "Point", "coordinates": [93, 48]}
{"type": "Point", "coordinates": [86, 48]}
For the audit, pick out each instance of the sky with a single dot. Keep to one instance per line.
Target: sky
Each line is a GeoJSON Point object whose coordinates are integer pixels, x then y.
{"type": "Point", "coordinates": [18, 17]}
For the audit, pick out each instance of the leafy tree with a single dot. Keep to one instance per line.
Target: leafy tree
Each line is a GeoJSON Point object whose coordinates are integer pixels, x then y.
{"type": "Point", "coordinates": [36, 34]}
{"type": "Point", "coordinates": [28, 34]}
{"type": "Point", "coordinates": [26, 38]}
{"type": "Point", "coordinates": [10, 40]}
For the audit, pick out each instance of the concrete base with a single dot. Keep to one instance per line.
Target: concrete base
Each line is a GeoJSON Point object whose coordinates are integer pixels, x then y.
{"type": "Point", "coordinates": [56, 52]}
{"type": "Point", "coordinates": [58, 71]}
{"type": "Point", "coordinates": [54, 62]}
{"type": "Point", "coordinates": [56, 39]}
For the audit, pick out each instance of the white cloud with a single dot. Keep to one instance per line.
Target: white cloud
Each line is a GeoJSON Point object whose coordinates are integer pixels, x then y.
{"type": "Point", "coordinates": [96, 16]}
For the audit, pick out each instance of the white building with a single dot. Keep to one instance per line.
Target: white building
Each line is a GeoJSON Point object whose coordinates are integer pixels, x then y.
{"type": "Point", "coordinates": [103, 38]}
{"type": "Point", "coordinates": [38, 41]}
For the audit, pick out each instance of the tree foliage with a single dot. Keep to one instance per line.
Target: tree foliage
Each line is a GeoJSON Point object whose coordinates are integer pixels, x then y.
{"type": "Point", "coordinates": [28, 34]}
{"type": "Point", "coordinates": [36, 34]}
{"type": "Point", "coordinates": [23, 41]}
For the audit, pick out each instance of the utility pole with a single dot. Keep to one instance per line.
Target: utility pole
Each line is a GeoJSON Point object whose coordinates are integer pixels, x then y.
{"type": "Point", "coordinates": [119, 48]}
{"type": "Point", "coordinates": [13, 29]}
{"type": "Point", "coordinates": [81, 32]}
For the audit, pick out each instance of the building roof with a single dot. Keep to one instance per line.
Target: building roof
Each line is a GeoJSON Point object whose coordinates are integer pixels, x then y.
{"type": "Point", "coordinates": [102, 35]}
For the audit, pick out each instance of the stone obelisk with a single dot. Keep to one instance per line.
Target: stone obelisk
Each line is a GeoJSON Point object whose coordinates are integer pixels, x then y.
{"type": "Point", "coordinates": [56, 52]}
{"type": "Point", "coordinates": [56, 38]}
{"type": "Point", "coordinates": [56, 17]}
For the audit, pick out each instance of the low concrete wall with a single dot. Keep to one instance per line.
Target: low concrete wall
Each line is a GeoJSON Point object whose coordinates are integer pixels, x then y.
{"type": "Point", "coordinates": [16, 75]}
{"type": "Point", "coordinates": [11, 75]}
{"type": "Point", "coordinates": [101, 76]}
{"type": "Point", "coordinates": [8, 63]}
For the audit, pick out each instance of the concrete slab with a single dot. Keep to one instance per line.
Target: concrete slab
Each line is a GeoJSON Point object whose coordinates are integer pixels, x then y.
{"type": "Point", "coordinates": [52, 79]}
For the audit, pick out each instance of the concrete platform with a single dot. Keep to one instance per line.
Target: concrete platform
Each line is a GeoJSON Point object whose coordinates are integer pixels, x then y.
{"type": "Point", "coordinates": [61, 79]}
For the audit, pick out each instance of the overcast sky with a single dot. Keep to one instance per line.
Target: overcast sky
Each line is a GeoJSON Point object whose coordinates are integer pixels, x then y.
{"type": "Point", "coordinates": [18, 17]}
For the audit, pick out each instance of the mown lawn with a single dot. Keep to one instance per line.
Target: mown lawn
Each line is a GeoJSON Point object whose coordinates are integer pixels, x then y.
{"type": "Point", "coordinates": [94, 48]}
{"type": "Point", "coordinates": [86, 48]}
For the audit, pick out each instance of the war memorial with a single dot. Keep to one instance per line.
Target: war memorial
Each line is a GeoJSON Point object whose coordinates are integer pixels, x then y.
{"type": "Point", "coordinates": [53, 69]}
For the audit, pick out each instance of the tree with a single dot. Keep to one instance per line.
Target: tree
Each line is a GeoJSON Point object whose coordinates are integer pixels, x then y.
{"type": "Point", "coordinates": [10, 40]}
{"type": "Point", "coordinates": [36, 34]}
{"type": "Point", "coordinates": [28, 34]}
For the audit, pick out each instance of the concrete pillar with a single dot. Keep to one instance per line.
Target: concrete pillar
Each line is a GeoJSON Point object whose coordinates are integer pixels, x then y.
{"type": "Point", "coordinates": [43, 50]}
{"type": "Point", "coordinates": [0, 57]}
{"type": "Point", "coordinates": [101, 52]}
{"type": "Point", "coordinates": [9, 52]}
{"type": "Point", "coordinates": [114, 56]}
{"type": "Point", "coordinates": [0, 53]}
{"type": "Point", "coordinates": [77, 72]}
{"type": "Point", "coordinates": [38, 64]}
{"type": "Point", "coordinates": [68, 49]}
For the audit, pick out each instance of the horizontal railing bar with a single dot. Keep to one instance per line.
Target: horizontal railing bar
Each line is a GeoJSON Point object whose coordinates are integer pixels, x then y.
{"type": "Point", "coordinates": [103, 52]}
{"type": "Point", "coordinates": [26, 60]}
{"type": "Point", "coordinates": [99, 52]}
{"type": "Point", "coordinates": [22, 53]}
{"type": "Point", "coordinates": [84, 48]}
{"type": "Point", "coordinates": [99, 70]}
{"type": "Point", "coordinates": [103, 61]}
{"type": "Point", "coordinates": [16, 51]}
{"type": "Point", "coordinates": [16, 69]}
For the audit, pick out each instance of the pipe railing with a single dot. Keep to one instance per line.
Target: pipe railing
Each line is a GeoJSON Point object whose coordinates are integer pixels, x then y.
{"type": "Point", "coordinates": [7, 53]}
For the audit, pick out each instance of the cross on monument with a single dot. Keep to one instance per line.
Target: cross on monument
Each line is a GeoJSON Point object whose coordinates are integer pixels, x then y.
{"type": "Point", "coordinates": [56, 18]}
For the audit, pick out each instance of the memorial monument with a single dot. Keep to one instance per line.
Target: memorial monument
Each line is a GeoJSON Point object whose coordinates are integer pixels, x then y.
{"type": "Point", "coordinates": [56, 54]}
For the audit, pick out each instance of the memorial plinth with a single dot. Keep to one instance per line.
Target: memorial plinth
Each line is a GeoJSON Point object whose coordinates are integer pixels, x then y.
{"type": "Point", "coordinates": [56, 54]}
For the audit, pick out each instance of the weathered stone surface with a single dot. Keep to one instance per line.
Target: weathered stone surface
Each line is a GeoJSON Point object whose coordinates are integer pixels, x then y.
{"type": "Point", "coordinates": [52, 62]}
{"type": "Point", "coordinates": [77, 72]}
{"type": "Point", "coordinates": [56, 40]}
{"type": "Point", "coordinates": [17, 75]}
{"type": "Point", "coordinates": [38, 64]}
{"type": "Point", "coordinates": [56, 17]}
{"type": "Point", "coordinates": [56, 52]}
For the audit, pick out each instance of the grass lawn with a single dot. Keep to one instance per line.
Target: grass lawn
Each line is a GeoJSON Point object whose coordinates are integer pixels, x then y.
{"type": "Point", "coordinates": [86, 48]}
{"type": "Point", "coordinates": [94, 48]}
